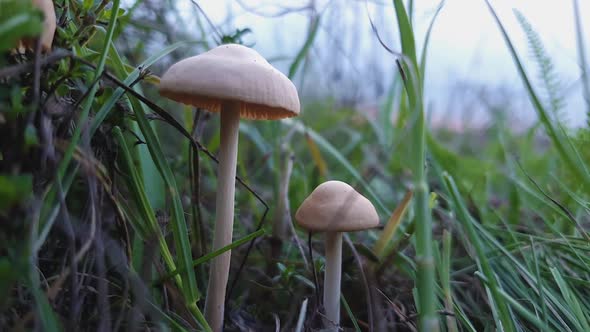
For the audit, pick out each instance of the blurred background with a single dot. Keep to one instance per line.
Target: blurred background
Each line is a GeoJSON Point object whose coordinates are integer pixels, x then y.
{"type": "Point", "coordinates": [469, 71]}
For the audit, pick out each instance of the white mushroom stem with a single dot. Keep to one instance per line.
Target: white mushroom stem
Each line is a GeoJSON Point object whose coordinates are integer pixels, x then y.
{"type": "Point", "coordinates": [224, 215]}
{"type": "Point", "coordinates": [332, 280]}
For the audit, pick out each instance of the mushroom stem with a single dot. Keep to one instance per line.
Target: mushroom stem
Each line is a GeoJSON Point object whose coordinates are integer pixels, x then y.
{"type": "Point", "coordinates": [224, 215]}
{"type": "Point", "coordinates": [332, 280]}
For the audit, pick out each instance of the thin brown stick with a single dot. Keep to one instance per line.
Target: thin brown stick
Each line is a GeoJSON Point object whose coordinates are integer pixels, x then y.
{"type": "Point", "coordinates": [359, 262]}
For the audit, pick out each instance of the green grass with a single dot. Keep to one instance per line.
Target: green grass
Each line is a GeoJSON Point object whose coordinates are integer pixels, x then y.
{"type": "Point", "coordinates": [98, 214]}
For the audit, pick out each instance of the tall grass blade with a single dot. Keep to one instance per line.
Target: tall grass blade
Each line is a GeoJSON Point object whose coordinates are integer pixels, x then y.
{"type": "Point", "coordinates": [426, 274]}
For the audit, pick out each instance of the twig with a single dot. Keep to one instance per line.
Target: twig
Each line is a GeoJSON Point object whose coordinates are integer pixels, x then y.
{"type": "Point", "coordinates": [289, 221]}
{"type": "Point", "coordinates": [243, 263]}
{"type": "Point", "coordinates": [284, 10]}
{"type": "Point", "coordinates": [26, 67]}
{"type": "Point", "coordinates": [315, 275]}
{"type": "Point", "coordinates": [36, 79]}
{"type": "Point", "coordinates": [195, 186]}
{"type": "Point", "coordinates": [359, 262]}
{"type": "Point", "coordinates": [219, 35]}
{"type": "Point", "coordinates": [302, 314]}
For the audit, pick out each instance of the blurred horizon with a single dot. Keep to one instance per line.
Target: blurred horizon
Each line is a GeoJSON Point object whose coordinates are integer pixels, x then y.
{"type": "Point", "coordinates": [469, 71]}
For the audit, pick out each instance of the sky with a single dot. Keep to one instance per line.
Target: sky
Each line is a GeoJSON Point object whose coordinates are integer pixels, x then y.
{"type": "Point", "coordinates": [466, 49]}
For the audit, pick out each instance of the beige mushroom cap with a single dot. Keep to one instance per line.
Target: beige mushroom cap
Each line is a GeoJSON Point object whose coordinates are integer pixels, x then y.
{"type": "Point", "coordinates": [232, 72]}
{"type": "Point", "coordinates": [49, 26]}
{"type": "Point", "coordinates": [49, 23]}
{"type": "Point", "coordinates": [334, 206]}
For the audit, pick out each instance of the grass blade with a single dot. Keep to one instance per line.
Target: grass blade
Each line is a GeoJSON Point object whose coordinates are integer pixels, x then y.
{"type": "Point", "coordinates": [500, 309]}
{"type": "Point", "coordinates": [426, 274]}
{"type": "Point", "coordinates": [581, 320]}
{"type": "Point", "coordinates": [314, 26]}
{"type": "Point", "coordinates": [357, 328]}
{"type": "Point", "coordinates": [445, 276]}
{"type": "Point", "coordinates": [392, 225]}
{"type": "Point", "coordinates": [215, 253]}
{"type": "Point", "coordinates": [316, 156]}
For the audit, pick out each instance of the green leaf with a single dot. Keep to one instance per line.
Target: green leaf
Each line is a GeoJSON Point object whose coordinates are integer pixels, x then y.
{"type": "Point", "coordinates": [14, 189]}
{"type": "Point", "coordinates": [87, 5]}
{"type": "Point", "coordinates": [8, 275]}
{"type": "Point", "coordinates": [31, 138]}
{"type": "Point", "coordinates": [351, 315]}
{"type": "Point", "coordinates": [18, 19]}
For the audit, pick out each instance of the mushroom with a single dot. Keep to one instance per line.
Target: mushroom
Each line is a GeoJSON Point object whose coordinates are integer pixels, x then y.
{"type": "Point", "coordinates": [49, 25]}
{"type": "Point", "coordinates": [335, 207]}
{"type": "Point", "coordinates": [239, 83]}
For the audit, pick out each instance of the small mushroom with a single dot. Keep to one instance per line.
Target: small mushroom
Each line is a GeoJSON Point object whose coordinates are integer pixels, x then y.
{"type": "Point", "coordinates": [239, 83]}
{"type": "Point", "coordinates": [49, 26]}
{"type": "Point", "coordinates": [335, 207]}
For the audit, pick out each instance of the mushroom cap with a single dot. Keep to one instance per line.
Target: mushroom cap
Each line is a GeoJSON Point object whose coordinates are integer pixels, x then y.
{"type": "Point", "coordinates": [334, 206]}
{"type": "Point", "coordinates": [232, 73]}
{"type": "Point", "coordinates": [49, 25]}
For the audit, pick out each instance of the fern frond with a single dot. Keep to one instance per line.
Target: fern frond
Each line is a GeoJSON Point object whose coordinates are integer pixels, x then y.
{"type": "Point", "coordinates": [550, 81]}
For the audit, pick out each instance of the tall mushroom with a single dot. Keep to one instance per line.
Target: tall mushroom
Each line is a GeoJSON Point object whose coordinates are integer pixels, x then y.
{"type": "Point", "coordinates": [335, 207]}
{"type": "Point", "coordinates": [239, 83]}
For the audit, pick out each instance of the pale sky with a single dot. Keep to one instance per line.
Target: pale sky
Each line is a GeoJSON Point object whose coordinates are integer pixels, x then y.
{"type": "Point", "coordinates": [465, 46]}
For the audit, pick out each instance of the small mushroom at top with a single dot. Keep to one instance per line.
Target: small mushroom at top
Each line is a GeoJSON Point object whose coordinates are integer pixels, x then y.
{"type": "Point", "coordinates": [49, 26]}
{"type": "Point", "coordinates": [335, 207]}
{"type": "Point", "coordinates": [239, 83]}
